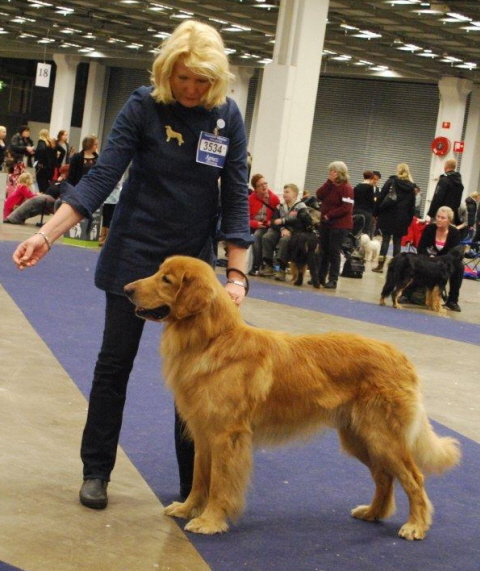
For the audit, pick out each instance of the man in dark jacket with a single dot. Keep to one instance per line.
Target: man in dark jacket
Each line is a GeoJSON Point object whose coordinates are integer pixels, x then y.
{"type": "Point", "coordinates": [21, 145]}
{"type": "Point", "coordinates": [448, 192]}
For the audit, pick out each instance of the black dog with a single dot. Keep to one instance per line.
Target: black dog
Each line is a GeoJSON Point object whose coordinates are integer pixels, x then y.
{"type": "Point", "coordinates": [303, 246]}
{"type": "Point", "coordinates": [432, 273]}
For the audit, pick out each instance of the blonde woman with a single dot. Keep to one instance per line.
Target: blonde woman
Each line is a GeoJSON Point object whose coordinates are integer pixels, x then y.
{"type": "Point", "coordinates": [186, 144]}
{"type": "Point", "coordinates": [45, 160]}
{"type": "Point", "coordinates": [394, 210]}
{"type": "Point", "coordinates": [22, 192]}
{"type": "Point", "coordinates": [438, 239]}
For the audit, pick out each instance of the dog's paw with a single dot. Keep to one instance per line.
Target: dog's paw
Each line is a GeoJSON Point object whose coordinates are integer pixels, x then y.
{"type": "Point", "coordinates": [206, 526]}
{"type": "Point", "coordinates": [365, 513]}
{"type": "Point", "coordinates": [179, 509]}
{"type": "Point", "coordinates": [412, 531]}
{"type": "Point", "coordinates": [382, 301]}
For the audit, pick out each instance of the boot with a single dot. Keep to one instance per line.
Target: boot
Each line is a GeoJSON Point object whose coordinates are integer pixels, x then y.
{"type": "Point", "coordinates": [381, 263]}
{"type": "Point", "coordinates": [103, 236]}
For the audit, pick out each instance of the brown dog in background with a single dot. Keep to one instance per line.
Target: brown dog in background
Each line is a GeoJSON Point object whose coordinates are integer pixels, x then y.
{"type": "Point", "coordinates": [237, 386]}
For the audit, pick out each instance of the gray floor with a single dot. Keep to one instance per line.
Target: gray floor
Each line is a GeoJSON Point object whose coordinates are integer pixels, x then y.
{"type": "Point", "coordinates": [42, 525]}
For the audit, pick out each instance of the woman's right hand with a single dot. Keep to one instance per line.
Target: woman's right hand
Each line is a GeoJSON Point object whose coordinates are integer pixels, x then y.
{"type": "Point", "coordinates": [30, 252]}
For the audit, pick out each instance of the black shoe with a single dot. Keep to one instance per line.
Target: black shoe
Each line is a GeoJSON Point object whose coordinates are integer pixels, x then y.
{"type": "Point", "coordinates": [330, 285]}
{"type": "Point", "coordinates": [453, 306]}
{"type": "Point", "coordinates": [253, 272]}
{"type": "Point", "coordinates": [93, 494]}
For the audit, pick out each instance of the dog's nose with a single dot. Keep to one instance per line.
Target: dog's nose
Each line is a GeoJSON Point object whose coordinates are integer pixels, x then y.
{"type": "Point", "coordinates": [129, 290]}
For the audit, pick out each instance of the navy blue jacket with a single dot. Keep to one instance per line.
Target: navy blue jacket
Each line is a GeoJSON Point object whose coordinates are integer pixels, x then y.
{"type": "Point", "coordinates": [170, 204]}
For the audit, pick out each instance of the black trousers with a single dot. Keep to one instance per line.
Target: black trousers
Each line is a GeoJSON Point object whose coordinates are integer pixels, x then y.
{"type": "Point", "coordinates": [121, 339]}
{"type": "Point", "coordinates": [331, 240]}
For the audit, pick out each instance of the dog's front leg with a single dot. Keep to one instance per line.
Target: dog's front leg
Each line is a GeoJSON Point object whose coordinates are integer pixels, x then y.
{"type": "Point", "coordinates": [230, 472]}
{"type": "Point", "coordinates": [194, 505]}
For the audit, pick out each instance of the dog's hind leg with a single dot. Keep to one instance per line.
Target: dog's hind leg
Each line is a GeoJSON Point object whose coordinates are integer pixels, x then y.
{"type": "Point", "coordinates": [231, 461]}
{"type": "Point", "coordinates": [434, 300]}
{"type": "Point", "coordinates": [395, 459]}
{"type": "Point", "coordinates": [383, 502]}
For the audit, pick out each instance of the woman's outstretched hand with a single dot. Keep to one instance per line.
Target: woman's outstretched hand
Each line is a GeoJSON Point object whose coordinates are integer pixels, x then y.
{"type": "Point", "coordinates": [30, 252]}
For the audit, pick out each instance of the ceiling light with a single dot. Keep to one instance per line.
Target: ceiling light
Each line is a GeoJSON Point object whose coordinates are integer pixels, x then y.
{"type": "Point", "coordinates": [46, 41]}
{"type": "Point", "coordinates": [393, 2]}
{"type": "Point", "coordinates": [342, 57]}
{"type": "Point", "coordinates": [3, 31]}
{"type": "Point", "coordinates": [348, 27]}
{"type": "Point", "coordinates": [450, 59]}
{"type": "Point", "coordinates": [365, 34]}
{"type": "Point", "coordinates": [455, 17]}
{"type": "Point", "coordinates": [472, 27]}
{"type": "Point", "coordinates": [409, 48]}
{"type": "Point", "coordinates": [182, 15]}
{"type": "Point", "coordinates": [428, 53]}
{"type": "Point", "coordinates": [467, 65]}
{"type": "Point", "coordinates": [39, 4]}
{"type": "Point", "coordinates": [64, 11]}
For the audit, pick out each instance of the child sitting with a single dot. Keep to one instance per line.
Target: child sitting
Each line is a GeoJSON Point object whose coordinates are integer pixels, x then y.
{"type": "Point", "coordinates": [19, 195]}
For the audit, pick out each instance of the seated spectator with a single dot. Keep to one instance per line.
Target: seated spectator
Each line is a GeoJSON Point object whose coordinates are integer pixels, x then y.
{"type": "Point", "coordinates": [437, 240]}
{"type": "Point", "coordinates": [40, 204]}
{"type": "Point", "coordinates": [14, 171]}
{"type": "Point", "coordinates": [19, 195]}
{"type": "Point", "coordinates": [364, 202]}
{"type": "Point", "coordinates": [262, 204]}
{"type": "Point", "coordinates": [283, 221]}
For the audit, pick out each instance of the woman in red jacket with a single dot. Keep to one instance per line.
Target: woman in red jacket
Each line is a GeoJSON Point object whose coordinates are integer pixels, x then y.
{"type": "Point", "coordinates": [336, 197]}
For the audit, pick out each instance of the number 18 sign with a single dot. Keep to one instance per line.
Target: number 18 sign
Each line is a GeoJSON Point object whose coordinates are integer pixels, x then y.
{"type": "Point", "coordinates": [43, 75]}
{"type": "Point", "coordinates": [212, 149]}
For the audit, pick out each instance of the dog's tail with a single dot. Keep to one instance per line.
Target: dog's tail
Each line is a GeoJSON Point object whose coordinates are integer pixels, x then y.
{"type": "Point", "coordinates": [434, 454]}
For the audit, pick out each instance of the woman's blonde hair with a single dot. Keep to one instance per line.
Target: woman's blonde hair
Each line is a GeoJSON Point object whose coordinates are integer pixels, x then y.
{"type": "Point", "coordinates": [44, 135]}
{"type": "Point", "coordinates": [403, 172]}
{"type": "Point", "coordinates": [341, 169]}
{"type": "Point", "coordinates": [446, 210]}
{"type": "Point", "coordinates": [26, 179]}
{"type": "Point", "coordinates": [201, 49]}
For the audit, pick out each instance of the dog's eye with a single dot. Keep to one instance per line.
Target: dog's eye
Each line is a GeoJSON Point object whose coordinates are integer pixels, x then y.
{"type": "Point", "coordinates": [166, 280]}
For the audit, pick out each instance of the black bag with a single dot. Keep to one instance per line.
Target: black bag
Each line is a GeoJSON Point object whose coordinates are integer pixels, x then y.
{"type": "Point", "coordinates": [390, 199]}
{"type": "Point", "coordinates": [353, 268]}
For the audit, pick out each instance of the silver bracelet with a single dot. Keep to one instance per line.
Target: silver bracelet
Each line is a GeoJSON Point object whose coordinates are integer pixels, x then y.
{"type": "Point", "coordinates": [237, 282]}
{"type": "Point", "coordinates": [46, 238]}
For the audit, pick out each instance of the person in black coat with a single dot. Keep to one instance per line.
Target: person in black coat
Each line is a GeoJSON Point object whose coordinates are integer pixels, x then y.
{"type": "Point", "coordinates": [21, 145]}
{"type": "Point", "coordinates": [45, 160]}
{"type": "Point", "coordinates": [448, 192]}
{"type": "Point", "coordinates": [364, 201]}
{"type": "Point", "coordinates": [394, 215]}
{"type": "Point", "coordinates": [82, 162]}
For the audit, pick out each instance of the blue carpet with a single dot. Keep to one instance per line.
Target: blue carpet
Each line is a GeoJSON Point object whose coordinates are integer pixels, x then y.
{"type": "Point", "coordinates": [297, 515]}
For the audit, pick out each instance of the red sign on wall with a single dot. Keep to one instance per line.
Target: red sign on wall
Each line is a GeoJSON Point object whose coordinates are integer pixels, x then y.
{"type": "Point", "coordinates": [458, 146]}
{"type": "Point", "coordinates": [446, 125]}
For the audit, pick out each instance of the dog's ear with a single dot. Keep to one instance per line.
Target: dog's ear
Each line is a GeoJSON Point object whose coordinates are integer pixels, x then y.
{"type": "Point", "coordinates": [194, 295]}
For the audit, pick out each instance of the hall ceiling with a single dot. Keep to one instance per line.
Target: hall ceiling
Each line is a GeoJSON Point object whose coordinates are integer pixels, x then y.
{"type": "Point", "coordinates": [408, 39]}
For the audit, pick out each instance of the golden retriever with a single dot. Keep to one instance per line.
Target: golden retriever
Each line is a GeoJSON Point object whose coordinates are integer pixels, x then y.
{"type": "Point", "coordinates": [237, 386]}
